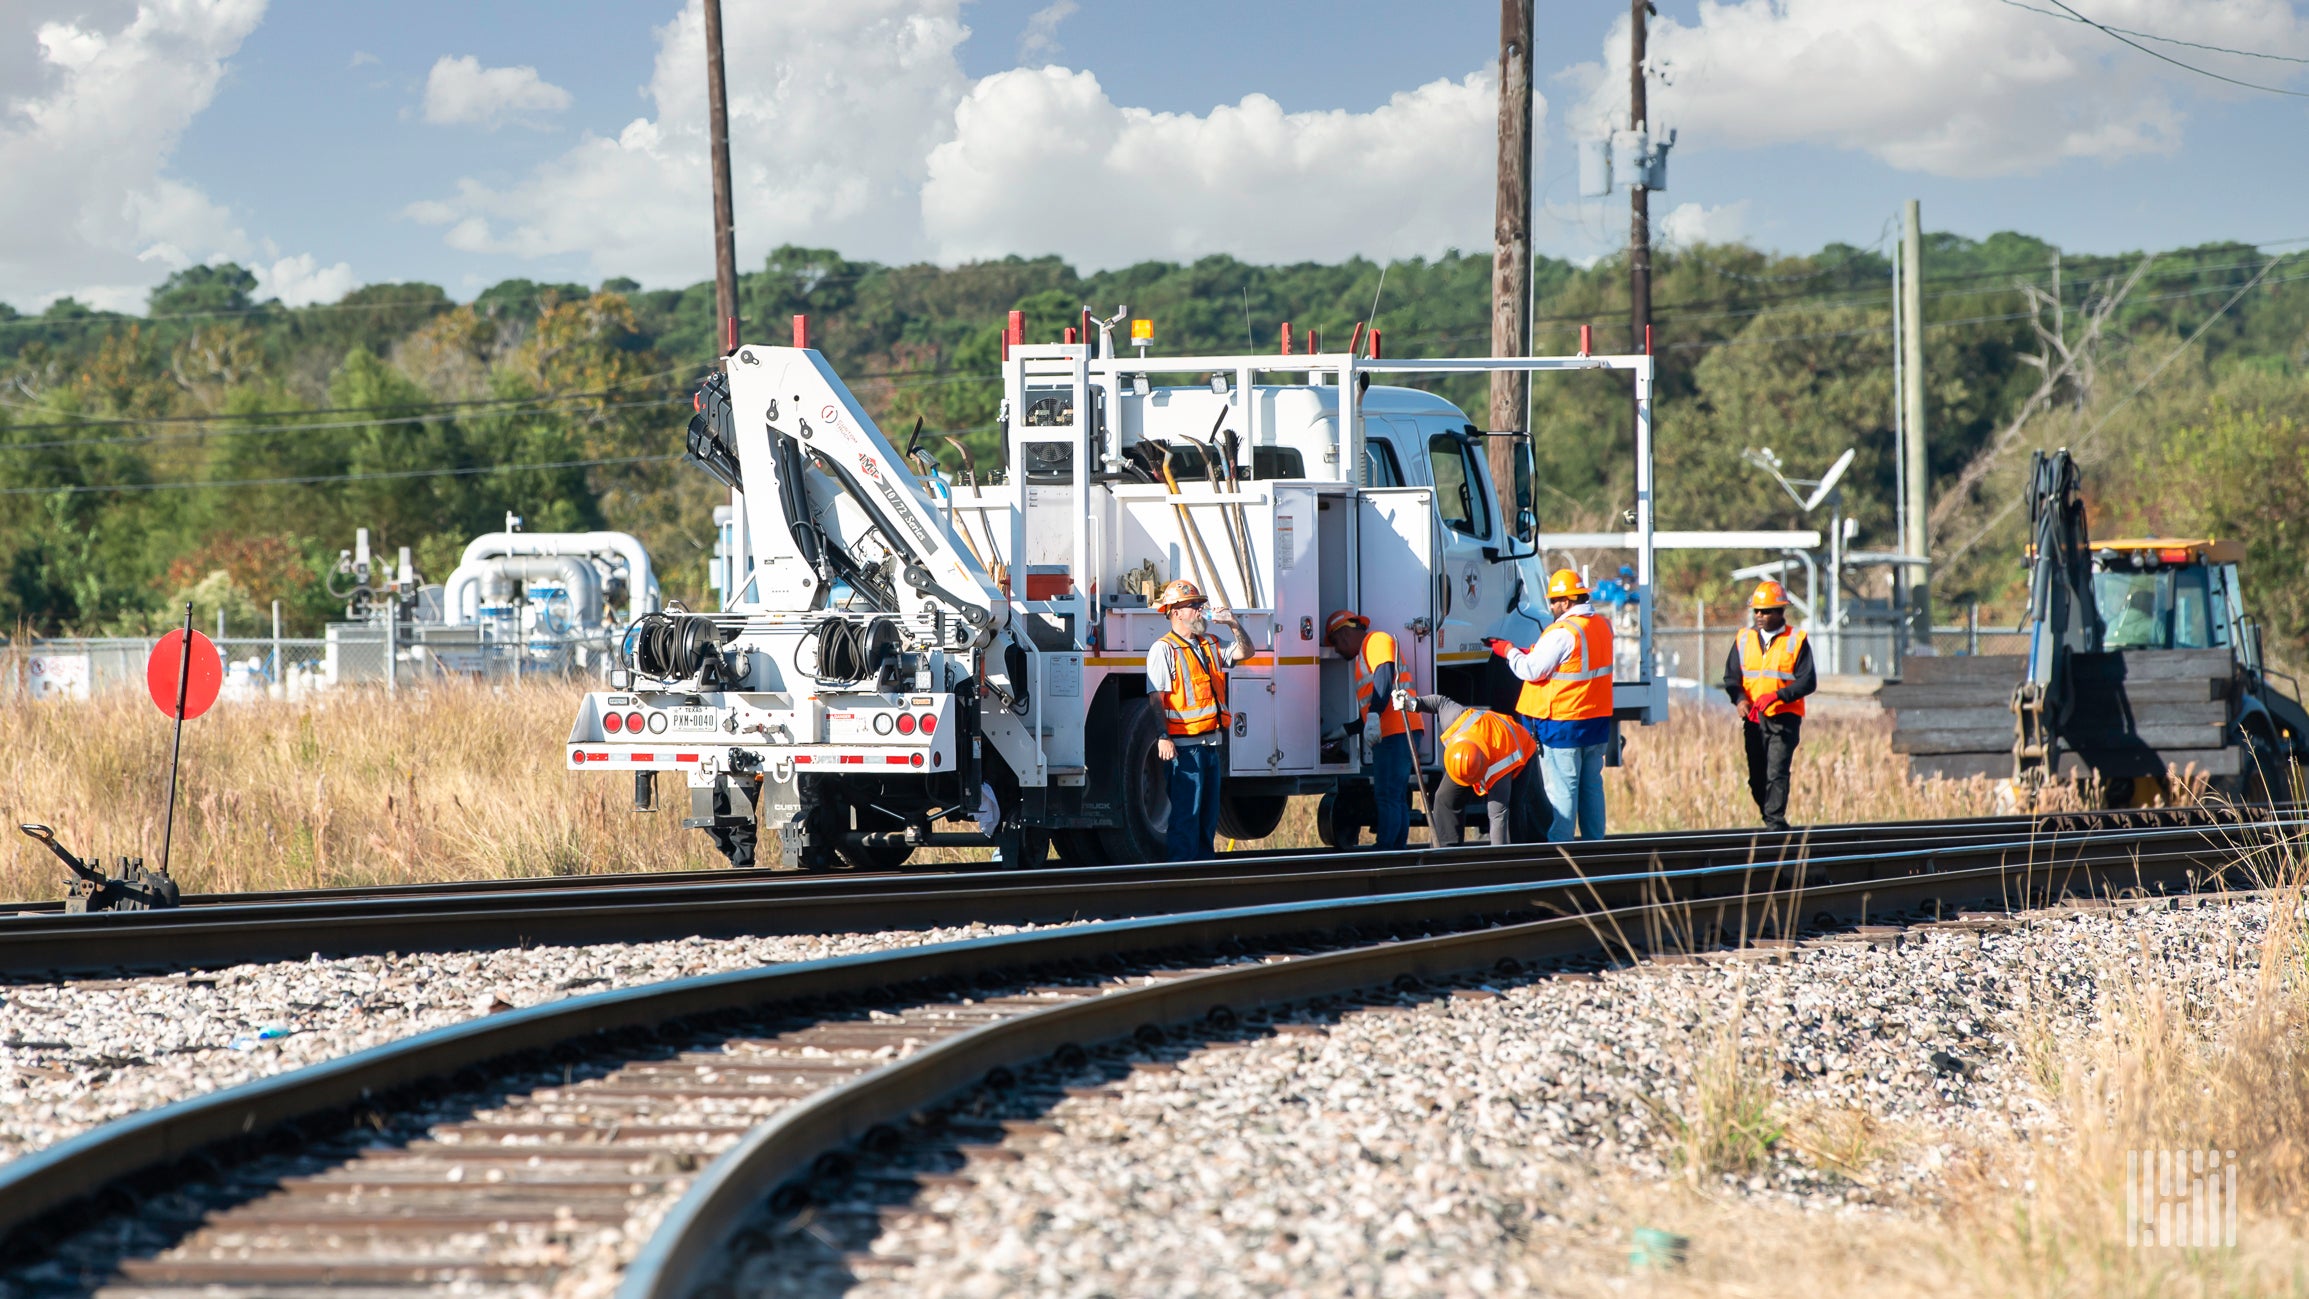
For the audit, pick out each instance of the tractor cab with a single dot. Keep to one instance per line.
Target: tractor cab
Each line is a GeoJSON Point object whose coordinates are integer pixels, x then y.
{"type": "Point", "coordinates": [2158, 593]}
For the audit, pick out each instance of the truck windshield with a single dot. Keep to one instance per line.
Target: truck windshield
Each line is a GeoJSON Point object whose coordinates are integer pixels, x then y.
{"type": "Point", "coordinates": [2167, 608]}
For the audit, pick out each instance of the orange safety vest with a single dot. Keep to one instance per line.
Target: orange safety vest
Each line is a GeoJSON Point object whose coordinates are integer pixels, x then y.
{"type": "Point", "coordinates": [1763, 671]}
{"type": "Point", "coordinates": [1580, 686]}
{"type": "Point", "coordinates": [1379, 648]}
{"type": "Point", "coordinates": [1504, 745]}
{"type": "Point", "coordinates": [1196, 703]}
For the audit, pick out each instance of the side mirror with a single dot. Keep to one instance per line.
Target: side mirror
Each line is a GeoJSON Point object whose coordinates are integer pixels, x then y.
{"type": "Point", "coordinates": [1526, 484]}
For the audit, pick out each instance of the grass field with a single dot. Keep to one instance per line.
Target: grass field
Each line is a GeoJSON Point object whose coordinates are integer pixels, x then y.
{"type": "Point", "coordinates": [462, 782]}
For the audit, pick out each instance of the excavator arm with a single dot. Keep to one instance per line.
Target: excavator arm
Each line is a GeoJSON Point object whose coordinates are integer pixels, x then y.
{"type": "Point", "coordinates": [2063, 619]}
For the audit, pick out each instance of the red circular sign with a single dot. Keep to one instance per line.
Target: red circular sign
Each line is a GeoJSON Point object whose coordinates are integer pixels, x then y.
{"type": "Point", "coordinates": [203, 679]}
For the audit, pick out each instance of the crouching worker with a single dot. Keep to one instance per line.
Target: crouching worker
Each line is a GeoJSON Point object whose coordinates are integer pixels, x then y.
{"type": "Point", "coordinates": [1483, 751]}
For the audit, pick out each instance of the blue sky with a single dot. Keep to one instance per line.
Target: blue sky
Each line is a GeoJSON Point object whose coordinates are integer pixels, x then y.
{"type": "Point", "coordinates": [331, 145]}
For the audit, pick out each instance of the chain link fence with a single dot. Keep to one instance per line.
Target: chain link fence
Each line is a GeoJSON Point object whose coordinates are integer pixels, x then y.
{"type": "Point", "coordinates": [291, 667]}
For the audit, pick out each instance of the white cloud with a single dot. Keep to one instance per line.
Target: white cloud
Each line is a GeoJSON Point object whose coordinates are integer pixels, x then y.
{"type": "Point", "coordinates": [1950, 89]}
{"type": "Point", "coordinates": [363, 59]}
{"type": "Point", "coordinates": [1038, 44]}
{"type": "Point", "coordinates": [834, 107]}
{"type": "Point", "coordinates": [1044, 161]}
{"type": "Point", "coordinates": [300, 281]}
{"type": "Point", "coordinates": [1695, 223]}
{"type": "Point", "coordinates": [85, 138]}
{"type": "Point", "coordinates": [459, 91]}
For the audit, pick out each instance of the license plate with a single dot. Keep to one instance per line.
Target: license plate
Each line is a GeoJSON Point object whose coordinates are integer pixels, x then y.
{"type": "Point", "coordinates": [693, 719]}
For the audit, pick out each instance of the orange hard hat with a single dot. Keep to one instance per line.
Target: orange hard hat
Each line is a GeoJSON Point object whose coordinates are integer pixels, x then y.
{"type": "Point", "coordinates": [1769, 595]}
{"type": "Point", "coordinates": [1563, 584]}
{"type": "Point", "coordinates": [1177, 593]}
{"type": "Point", "coordinates": [1463, 762]}
{"type": "Point", "coordinates": [1342, 619]}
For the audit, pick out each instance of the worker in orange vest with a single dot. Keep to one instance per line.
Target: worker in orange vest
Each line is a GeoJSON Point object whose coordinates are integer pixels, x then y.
{"type": "Point", "coordinates": [1483, 753]}
{"type": "Point", "coordinates": [1567, 704]}
{"type": "Point", "coordinates": [1186, 672]}
{"type": "Point", "coordinates": [1378, 667]}
{"type": "Point", "coordinates": [1767, 675]}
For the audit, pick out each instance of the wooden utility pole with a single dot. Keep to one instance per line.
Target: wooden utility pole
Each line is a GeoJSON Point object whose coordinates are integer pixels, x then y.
{"type": "Point", "coordinates": [725, 223]}
{"type": "Point", "coordinates": [1511, 247]}
{"type": "Point", "coordinates": [1639, 195]}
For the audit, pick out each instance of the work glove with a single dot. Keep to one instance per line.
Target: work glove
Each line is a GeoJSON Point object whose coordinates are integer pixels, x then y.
{"type": "Point", "coordinates": [1370, 731]}
{"type": "Point", "coordinates": [1403, 700]}
{"type": "Point", "coordinates": [1755, 711]}
{"type": "Point", "coordinates": [1502, 648]}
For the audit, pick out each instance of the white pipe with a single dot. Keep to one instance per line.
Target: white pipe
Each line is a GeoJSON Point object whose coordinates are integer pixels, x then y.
{"type": "Point", "coordinates": [640, 578]}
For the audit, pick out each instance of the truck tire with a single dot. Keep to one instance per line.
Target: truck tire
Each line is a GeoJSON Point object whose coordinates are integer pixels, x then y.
{"type": "Point", "coordinates": [1144, 786]}
{"type": "Point", "coordinates": [2267, 776]}
{"type": "Point", "coordinates": [1250, 816]}
{"type": "Point", "coordinates": [1335, 821]}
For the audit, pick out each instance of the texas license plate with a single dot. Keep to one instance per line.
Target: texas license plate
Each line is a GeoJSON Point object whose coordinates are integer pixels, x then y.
{"type": "Point", "coordinates": [692, 719]}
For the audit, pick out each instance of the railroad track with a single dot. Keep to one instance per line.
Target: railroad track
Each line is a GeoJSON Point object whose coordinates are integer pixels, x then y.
{"type": "Point", "coordinates": [506, 1154]}
{"type": "Point", "coordinates": [219, 930]}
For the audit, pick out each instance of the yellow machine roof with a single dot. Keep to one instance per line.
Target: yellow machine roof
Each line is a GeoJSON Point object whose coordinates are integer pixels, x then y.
{"type": "Point", "coordinates": [2211, 552]}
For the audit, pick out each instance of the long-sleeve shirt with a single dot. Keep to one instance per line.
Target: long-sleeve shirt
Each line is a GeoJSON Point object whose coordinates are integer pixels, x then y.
{"type": "Point", "coordinates": [1555, 645]}
{"type": "Point", "coordinates": [1807, 680]}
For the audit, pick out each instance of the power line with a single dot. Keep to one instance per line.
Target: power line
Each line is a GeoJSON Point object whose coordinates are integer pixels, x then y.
{"type": "Point", "coordinates": [76, 490]}
{"type": "Point", "coordinates": [2114, 34]}
{"type": "Point", "coordinates": [2072, 16]}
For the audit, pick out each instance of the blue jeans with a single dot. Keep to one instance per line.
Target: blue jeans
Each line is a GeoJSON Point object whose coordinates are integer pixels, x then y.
{"type": "Point", "coordinates": [1391, 788]}
{"type": "Point", "coordinates": [1574, 782]}
{"type": "Point", "coordinates": [1195, 775]}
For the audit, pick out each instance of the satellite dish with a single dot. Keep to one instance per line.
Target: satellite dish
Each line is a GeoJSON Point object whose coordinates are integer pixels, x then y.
{"type": "Point", "coordinates": [1828, 482]}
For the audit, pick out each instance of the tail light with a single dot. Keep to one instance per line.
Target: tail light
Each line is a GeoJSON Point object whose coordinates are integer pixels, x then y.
{"type": "Point", "coordinates": [917, 756]}
{"type": "Point", "coordinates": [929, 723]}
{"type": "Point", "coordinates": [633, 722]}
{"type": "Point", "coordinates": [612, 723]}
{"type": "Point", "coordinates": [905, 723]}
{"type": "Point", "coordinates": [2173, 555]}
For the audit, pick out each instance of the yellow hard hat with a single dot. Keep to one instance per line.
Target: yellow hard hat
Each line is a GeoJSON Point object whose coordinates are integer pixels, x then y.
{"type": "Point", "coordinates": [1563, 584]}
{"type": "Point", "coordinates": [1342, 619]}
{"type": "Point", "coordinates": [1769, 595]}
{"type": "Point", "coordinates": [1177, 593]}
{"type": "Point", "coordinates": [1463, 762]}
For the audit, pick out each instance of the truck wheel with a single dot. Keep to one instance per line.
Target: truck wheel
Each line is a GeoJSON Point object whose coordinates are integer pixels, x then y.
{"type": "Point", "coordinates": [1080, 847]}
{"type": "Point", "coordinates": [1335, 822]}
{"type": "Point", "coordinates": [2267, 776]}
{"type": "Point", "coordinates": [1144, 835]}
{"type": "Point", "coordinates": [1250, 816]}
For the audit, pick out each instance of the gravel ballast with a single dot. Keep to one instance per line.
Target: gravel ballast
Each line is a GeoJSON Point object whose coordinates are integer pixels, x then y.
{"type": "Point", "coordinates": [83, 1052]}
{"type": "Point", "coordinates": [1489, 1139]}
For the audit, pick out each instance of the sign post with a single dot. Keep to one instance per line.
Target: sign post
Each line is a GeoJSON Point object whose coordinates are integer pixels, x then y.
{"type": "Point", "coordinates": [183, 676]}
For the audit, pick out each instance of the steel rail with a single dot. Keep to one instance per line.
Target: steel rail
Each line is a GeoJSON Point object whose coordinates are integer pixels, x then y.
{"type": "Point", "coordinates": [724, 907]}
{"type": "Point", "coordinates": [1661, 841]}
{"type": "Point", "coordinates": [681, 1254]}
{"type": "Point", "coordinates": [40, 1191]}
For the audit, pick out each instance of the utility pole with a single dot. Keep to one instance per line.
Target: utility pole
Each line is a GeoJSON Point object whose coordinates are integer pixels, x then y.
{"type": "Point", "coordinates": [725, 223]}
{"type": "Point", "coordinates": [1917, 466]}
{"type": "Point", "coordinates": [1511, 248]}
{"type": "Point", "coordinates": [1639, 195]}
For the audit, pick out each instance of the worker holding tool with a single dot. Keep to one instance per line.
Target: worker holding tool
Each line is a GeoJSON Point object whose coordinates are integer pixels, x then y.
{"type": "Point", "coordinates": [1186, 672]}
{"type": "Point", "coordinates": [1377, 663]}
{"type": "Point", "coordinates": [1767, 675]}
{"type": "Point", "coordinates": [1566, 704]}
{"type": "Point", "coordinates": [1483, 752]}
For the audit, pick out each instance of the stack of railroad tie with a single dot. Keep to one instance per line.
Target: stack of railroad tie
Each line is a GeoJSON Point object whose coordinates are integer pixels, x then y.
{"type": "Point", "coordinates": [2135, 714]}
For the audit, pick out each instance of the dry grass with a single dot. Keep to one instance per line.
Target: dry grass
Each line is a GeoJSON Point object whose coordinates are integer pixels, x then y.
{"type": "Point", "coordinates": [2181, 1057]}
{"type": "Point", "coordinates": [460, 782]}
{"type": "Point", "coordinates": [353, 787]}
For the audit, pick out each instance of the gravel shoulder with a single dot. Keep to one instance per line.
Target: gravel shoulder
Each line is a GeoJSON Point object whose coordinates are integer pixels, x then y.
{"type": "Point", "coordinates": [1507, 1138]}
{"type": "Point", "coordinates": [83, 1052]}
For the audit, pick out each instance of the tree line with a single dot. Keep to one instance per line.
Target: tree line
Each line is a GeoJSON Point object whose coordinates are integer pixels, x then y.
{"type": "Point", "coordinates": [223, 448]}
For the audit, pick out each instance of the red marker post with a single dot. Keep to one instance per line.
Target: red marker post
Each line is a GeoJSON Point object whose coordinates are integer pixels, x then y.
{"type": "Point", "coordinates": [184, 675]}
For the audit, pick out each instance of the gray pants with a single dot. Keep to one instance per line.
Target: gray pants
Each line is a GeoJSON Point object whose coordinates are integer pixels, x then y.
{"type": "Point", "coordinates": [1453, 796]}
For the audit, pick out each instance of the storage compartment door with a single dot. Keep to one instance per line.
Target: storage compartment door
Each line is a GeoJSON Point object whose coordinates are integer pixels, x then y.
{"type": "Point", "coordinates": [1395, 573]}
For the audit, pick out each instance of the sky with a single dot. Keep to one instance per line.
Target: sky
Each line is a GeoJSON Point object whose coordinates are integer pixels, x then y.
{"type": "Point", "coordinates": [326, 146]}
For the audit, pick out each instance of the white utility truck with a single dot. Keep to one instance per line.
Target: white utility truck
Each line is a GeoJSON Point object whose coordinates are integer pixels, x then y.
{"type": "Point", "coordinates": [907, 654]}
